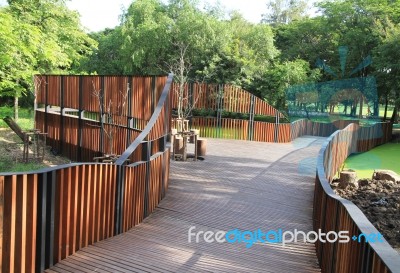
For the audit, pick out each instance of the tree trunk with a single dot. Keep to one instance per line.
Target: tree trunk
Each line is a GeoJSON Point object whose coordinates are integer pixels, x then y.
{"type": "Point", "coordinates": [16, 108]}
{"type": "Point", "coordinates": [386, 107]}
{"type": "Point", "coordinates": [394, 116]}
{"type": "Point", "coordinates": [348, 178]}
{"type": "Point", "coordinates": [360, 113]}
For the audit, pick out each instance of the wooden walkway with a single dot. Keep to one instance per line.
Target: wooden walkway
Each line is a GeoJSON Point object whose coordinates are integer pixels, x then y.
{"type": "Point", "coordinates": [241, 185]}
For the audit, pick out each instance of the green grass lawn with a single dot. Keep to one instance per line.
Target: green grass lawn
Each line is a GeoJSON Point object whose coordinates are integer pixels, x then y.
{"type": "Point", "coordinates": [219, 132]}
{"type": "Point", "coordinates": [386, 156]}
{"type": "Point", "coordinates": [25, 120]}
{"type": "Point", "coordinates": [339, 110]}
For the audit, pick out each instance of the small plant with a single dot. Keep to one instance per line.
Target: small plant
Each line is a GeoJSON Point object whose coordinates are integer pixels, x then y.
{"type": "Point", "coordinates": [108, 112]}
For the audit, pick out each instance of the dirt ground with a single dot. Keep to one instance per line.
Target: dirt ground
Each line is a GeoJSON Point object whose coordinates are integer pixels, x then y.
{"type": "Point", "coordinates": [379, 200]}
{"type": "Point", "coordinates": [11, 148]}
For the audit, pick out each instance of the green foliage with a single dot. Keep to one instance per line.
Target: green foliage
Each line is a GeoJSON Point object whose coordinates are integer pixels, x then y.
{"type": "Point", "coordinates": [386, 56]}
{"type": "Point", "coordinates": [18, 42]}
{"type": "Point", "coordinates": [25, 120]}
{"type": "Point", "coordinates": [155, 36]}
{"type": "Point", "coordinates": [222, 51]}
{"type": "Point", "coordinates": [233, 115]}
{"type": "Point", "coordinates": [40, 36]}
{"type": "Point", "coordinates": [284, 11]}
{"type": "Point", "coordinates": [7, 165]}
{"type": "Point", "coordinates": [247, 51]}
{"type": "Point", "coordinates": [106, 59]}
{"type": "Point", "coordinates": [282, 76]}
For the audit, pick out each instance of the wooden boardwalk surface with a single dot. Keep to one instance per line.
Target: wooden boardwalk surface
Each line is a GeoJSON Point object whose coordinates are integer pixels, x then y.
{"type": "Point", "coordinates": [240, 185]}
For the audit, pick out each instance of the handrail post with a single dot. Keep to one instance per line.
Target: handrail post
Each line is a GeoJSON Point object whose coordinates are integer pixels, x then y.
{"type": "Point", "coordinates": [61, 137]}
{"type": "Point", "coordinates": [119, 194]}
{"type": "Point", "coordinates": [46, 220]}
{"type": "Point", "coordinates": [146, 155]}
{"type": "Point", "coordinates": [251, 117]}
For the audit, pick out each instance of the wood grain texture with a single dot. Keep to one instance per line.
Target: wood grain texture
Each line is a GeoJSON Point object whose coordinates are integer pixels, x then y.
{"type": "Point", "coordinates": [332, 213]}
{"type": "Point", "coordinates": [240, 184]}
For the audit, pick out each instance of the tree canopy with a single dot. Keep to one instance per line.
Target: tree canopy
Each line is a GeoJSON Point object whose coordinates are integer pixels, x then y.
{"type": "Point", "coordinates": [41, 36]}
{"type": "Point", "coordinates": [344, 39]}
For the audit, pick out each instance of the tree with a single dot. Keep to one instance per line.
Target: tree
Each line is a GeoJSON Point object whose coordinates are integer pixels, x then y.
{"type": "Point", "coordinates": [107, 58]}
{"type": "Point", "coordinates": [386, 57]}
{"type": "Point", "coordinates": [283, 75]}
{"type": "Point", "coordinates": [246, 51]}
{"type": "Point", "coordinates": [18, 46]}
{"type": "Point", "coordinates": [40, 36]}
{"type": "Point", "coordinates": [284, 11]}
{"type": "Point", "coordinates": [63, 41]}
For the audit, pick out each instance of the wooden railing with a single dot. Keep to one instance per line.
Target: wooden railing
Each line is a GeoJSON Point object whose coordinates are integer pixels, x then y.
{"type": "Point", "coordinates": [264, 131]}
{"type": "Point", "coordinates": [49, 214]}
{"type": "Point", "coordinates": [222, 97]}
{"type": "Point", "coordinates": [75, 111]}
{"type": "Point", "coordinates": [241, 129]}
{"type": "Point", "coordinates": [304, 127]}
{"type": "Point", "coordinates": [333, 213]}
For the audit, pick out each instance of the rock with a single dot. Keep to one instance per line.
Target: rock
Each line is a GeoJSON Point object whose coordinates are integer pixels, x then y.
{"type": "Point", "coordinates": [386, 175]}
{"type": "Point", "coordinates": [388, 184]}
{"type": "Point", "coordinates": [379, 209]}
{"type": "Point", "coordinates": [363, 182]}
{"type": "Point", "coordinates": [379, 200]}
{"type": "Point", "coordinates": [348, 178]}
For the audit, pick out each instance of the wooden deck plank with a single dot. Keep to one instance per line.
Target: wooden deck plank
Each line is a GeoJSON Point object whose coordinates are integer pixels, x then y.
{"type": "Point", "coordinates": [107, 262]}
{"type": "Point", "coordinates": [243, 185]}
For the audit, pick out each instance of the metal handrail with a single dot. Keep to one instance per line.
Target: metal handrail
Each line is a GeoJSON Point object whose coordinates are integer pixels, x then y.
{"type": "Point", "coordinates": [132, 147]}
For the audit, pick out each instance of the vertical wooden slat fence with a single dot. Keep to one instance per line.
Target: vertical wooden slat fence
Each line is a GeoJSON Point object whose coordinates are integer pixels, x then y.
{"type": "Point", "coordinates": [333, 213]}
{"type": "Point", "coordinates": [227, 98]}
{"type": "Point", "coordinates": [264, 131]}
{"type": "Point", "coordinates": [49, 214]}
{"type": "Point", "coordinates": [70, 112]}
{"type": "Point", "coordinates": [221, 98]}
{"type": "Point", "coordinates": [304, 127]}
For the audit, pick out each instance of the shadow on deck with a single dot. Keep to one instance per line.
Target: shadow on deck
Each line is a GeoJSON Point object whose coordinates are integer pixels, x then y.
{"type": "Point", "coordinates": [240, 185]}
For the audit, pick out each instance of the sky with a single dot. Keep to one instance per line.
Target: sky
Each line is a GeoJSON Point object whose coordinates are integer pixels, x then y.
{"type": "Point", "coordinates": [99, 14]}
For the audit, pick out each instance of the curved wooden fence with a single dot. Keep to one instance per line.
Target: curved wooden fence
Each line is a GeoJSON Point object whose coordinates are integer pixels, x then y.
{"type": "Point", "coordinates": [222, 97]}
{"type": "Point", "coordinates": [88, 116]}
{"type": "Point", "coordinates": [304, 127]}
{"type": "Point", "coordinates": [264, 131]}
{"type": "Point", "coordinates": [47, 215]}
{"type": "Point", "coordinates": [333, 213]}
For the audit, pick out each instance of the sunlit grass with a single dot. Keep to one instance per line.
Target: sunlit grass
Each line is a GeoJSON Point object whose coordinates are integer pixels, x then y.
{"type": "Point", "coordinates": [7, 165]}
{"type": "Point", "coordinates": [25, 120]}
{"type": "Point", "coordinates": [386, 157]}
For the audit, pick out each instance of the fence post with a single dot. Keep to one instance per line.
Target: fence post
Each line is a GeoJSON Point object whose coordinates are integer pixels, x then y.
{"type": "Point", "coordinates": [251, 117]}
{"type": "Point", "coordinates": [46, 103]}
{"type": "Point", "coordinates": [102, 115]}
{"type": "Point", "coordinates": [219, 110]}
{"type": "Point", "coordinates": [41, 223]}
{"type": "Point", "coordinates": [119, 194]}
{"type": "Point", "coordinates": [163, 149]}
{"type": "Point", "coordinates": [46, 220]}
{"type": "Point", "coordinates": [129, 112]}
{"type": "Point", "coordinates": [191, 97]}
{"type": "Point", "coordinates": [146, 157]}
{"type": "Point", "coordinates": [80, 114]}
{"type": "Point", "coordinates": [153, 93]}
{"type": "Point", "coordinates": [60, 142]}
{"type": "Point", "coordinates": [334, 248]}
{"type": "Point", "coordinates": [276, 126]}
